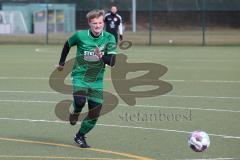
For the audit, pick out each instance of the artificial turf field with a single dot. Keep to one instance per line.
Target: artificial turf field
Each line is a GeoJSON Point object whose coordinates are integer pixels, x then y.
{"type": "Point", "coordinates": [205, 96]}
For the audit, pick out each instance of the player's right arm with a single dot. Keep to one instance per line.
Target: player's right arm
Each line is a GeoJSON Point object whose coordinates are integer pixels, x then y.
{"type": "Point", "coordinates": [66, 48]}
{"type": "Point", "coordinates": [63, 57]}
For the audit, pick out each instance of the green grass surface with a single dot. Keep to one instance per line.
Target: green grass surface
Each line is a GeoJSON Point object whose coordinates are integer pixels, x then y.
{"type": "Point", "coordinates": [205, 83]}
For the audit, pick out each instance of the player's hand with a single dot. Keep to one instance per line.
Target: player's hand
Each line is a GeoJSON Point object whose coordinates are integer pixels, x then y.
{"type": "Point", "coordinates": [60, 67]}
{"type": "Point", "coordinates": [97, 51]}
{"type": "Point", "coordinates": [121, 37]}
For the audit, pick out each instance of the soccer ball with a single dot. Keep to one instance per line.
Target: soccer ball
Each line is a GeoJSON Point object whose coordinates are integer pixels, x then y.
{"type": "Point", "coordinates": [198, 141]}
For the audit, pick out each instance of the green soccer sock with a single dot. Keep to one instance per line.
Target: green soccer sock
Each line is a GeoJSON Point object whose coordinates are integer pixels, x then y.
{"type": "Point", "coordinates": [86, 126]}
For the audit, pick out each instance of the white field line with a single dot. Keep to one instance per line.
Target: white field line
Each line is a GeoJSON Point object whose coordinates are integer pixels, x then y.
{"type": "Point", "coordinates": [208, 97]}
{"type": "Point", "coordinates": [203, 68]}
{"type": "Point", "coordinates": [24, 78]}
{"type": "Point", "coordinates": [140, 106]}
{"type": "Point", "coordinates": [30, 92]}
{"type": "Point", "coordinates": [202, 81]}
{"type": "Point", "coordinates": [119, 126]}
{"type": "Point", "coordinates": [198, 60]}
{"type": "Point", "coordinates": [166, 130]}
{"type": "Point", "coordinates": [167, 95]}
{"type": "Point", "coordinates": [48, 50]}
{"type": "Point", "coordinates": [26, 101]}
{"type": "Point", "coordinates": [109, 79]}
{"type": "Point", "coordinates": [184, 108]}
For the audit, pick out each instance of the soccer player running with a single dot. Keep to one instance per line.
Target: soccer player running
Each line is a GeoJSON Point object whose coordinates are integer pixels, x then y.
{"type": "Point", "coordinates": [93, 53]}
{"type": "Point", "coordinates": [113, 22]}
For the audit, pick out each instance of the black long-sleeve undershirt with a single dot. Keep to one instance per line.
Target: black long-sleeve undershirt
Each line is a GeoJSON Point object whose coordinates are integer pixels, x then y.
{"type": "Point", "coordinates": [64, 54]}
{"type": "Point", "coordinates": [109, 59]}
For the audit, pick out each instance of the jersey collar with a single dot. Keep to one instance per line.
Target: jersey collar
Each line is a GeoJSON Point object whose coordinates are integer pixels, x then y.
{"type": "Point", "coordinates": [89, 34]}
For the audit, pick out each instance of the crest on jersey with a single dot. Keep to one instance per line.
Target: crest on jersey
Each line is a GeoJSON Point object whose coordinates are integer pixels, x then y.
{"type": "Point", "coordinates": [115, 19]}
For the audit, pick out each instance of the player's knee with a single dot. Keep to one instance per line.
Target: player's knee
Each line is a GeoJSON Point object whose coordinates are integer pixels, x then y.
{"type": "Point", "coordinates": [79, 100]}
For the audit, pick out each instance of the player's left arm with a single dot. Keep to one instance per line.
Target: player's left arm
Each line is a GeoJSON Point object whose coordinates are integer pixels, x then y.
{"type": "Point", "coordinates": [109, 57]}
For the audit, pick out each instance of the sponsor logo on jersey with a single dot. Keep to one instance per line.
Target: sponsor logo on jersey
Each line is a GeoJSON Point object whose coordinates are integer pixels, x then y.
{"type": "Point", "coordinates": [91, 56]}
{"type": "Point", "coordinates": [89, 53]}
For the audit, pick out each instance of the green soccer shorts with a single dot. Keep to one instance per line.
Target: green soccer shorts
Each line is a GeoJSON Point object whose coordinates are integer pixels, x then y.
{"type": "Point", "coordinates": [92, 90]}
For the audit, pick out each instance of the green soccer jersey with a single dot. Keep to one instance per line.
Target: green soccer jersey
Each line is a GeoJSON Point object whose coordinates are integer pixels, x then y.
{"type": "Point", "coordinates": [88, 69]}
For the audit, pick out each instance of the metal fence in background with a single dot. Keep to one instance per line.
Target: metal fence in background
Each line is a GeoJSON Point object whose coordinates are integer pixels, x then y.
{"type": "Point", "coordinates": [153, 22]}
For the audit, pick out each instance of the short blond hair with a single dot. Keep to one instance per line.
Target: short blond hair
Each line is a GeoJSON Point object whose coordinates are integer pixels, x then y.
{"type": "Point", "coordinates": [95, 14]}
